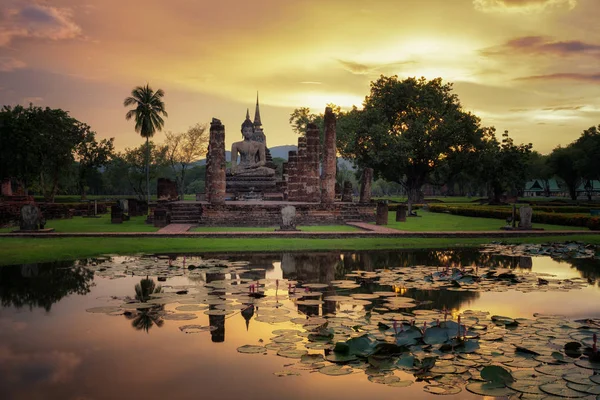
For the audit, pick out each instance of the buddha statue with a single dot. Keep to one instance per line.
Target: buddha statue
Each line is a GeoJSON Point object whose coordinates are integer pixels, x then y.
{"type": "Point", "coordinates": [252, 156]}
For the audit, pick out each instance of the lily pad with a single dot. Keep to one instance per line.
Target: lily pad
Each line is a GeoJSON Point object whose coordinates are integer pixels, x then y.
{"type": "Point", "coordinates": [587, 364]}
{"type": "Point", "coordinates": [335, 370]}
{"type": "Point", "coordinates": [588, 388]}
{"type": "Point", "coordinates": [443, 390]}
{"type": "Point", "coordinates": [292, 353]}
{"type": "Point", "coordinates": [489, 389]}
{"type": "Point", "coordinates": [530, 386]}
{"type": "Point", "coordinates": [197, 328]}
{"type": "Point", "coordinates": [252, 349]}
{"type": "Point", "coordinates": [561, 390]}
{"type": "Point", "coordinates": [285, 373]}
{"type": "Point", "coordinates": [496, 374]}
{"type": "Point", "coordinates": [179, 317]}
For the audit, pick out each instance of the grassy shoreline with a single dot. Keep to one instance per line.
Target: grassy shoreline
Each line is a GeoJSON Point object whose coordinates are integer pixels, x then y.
{"type": "Point", "coordinates": [32, 250]}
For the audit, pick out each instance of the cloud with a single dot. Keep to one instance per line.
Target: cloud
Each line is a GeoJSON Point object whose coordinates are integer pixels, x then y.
{"type": "Point", "coordinates": [357, 68]}
{"type": "Point", "coordinates": [38, 367]}
{"type": "Point", "coordinates": [8, 64]}
{"type": "Point", "coordinates": [33, 100]}
{"type": "Point", "coordinates": [37, 21]}
{"type": "Point", "coordinates": [566, 76]}
{"type": "Point", "coordinates": [540, 45]}
{"type": "Point", "coordinates": [523, 6]}
{"type": "Point", "coordinates": [563, 108]}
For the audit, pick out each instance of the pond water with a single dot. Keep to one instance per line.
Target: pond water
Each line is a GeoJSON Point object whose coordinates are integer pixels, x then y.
{"type": "Point", "coordinates": [259, 326]}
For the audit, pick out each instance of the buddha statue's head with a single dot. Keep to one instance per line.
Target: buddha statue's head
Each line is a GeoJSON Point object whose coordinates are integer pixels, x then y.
{"type": "Point", "coordinates": [247, 129]}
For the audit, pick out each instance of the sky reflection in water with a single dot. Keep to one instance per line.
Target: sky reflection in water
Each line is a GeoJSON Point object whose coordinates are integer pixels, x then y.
{"type": "Point", "coordinates": [51, 348]}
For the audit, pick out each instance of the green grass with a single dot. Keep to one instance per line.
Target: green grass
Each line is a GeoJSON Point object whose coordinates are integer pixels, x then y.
{"type": "Point", "coordinates": [28, 250]}
{"type": "Point", "coordinates": [451, 199]}
{"type": "Point", "coordinates": [312, 228]}
{"type": "Point", "coordinates": [102, 224]}
{"type": "Point", "coordinates": [442, 222]}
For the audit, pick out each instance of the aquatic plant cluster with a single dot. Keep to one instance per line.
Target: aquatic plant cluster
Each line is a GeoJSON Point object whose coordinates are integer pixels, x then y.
{"type": "Point", "coordinates": [365, 324]}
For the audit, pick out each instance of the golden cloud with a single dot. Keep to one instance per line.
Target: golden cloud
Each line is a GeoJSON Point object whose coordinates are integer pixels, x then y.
{"type": "Point", "coordinates": [24, 20]}
{"type": "Point", "coordinates": [523, 6]}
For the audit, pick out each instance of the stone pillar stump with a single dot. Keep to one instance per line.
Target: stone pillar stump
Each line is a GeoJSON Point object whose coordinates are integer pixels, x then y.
{"type": "Point", "coordinates": [382, 213]}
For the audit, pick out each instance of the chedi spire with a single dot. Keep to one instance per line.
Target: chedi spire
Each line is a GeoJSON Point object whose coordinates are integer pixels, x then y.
{"type": "Point", "coordinates": [257, 122]}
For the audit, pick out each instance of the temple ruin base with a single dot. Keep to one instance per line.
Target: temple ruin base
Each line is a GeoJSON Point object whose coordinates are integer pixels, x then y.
{"type": "Point", "coordinates": [248, 213]}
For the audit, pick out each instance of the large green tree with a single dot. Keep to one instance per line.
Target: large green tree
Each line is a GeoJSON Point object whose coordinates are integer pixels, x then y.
{"type": "Point", "coordinates": [589, 145]}
{"type": "Point", "coordinates": [133, 163]}
{"type": "Point", "coordinates": [563, 163]}
{"type": "Point", "coordinates": [408, 129]}
{"type": "Point", "coordinates": [90, 155]}
{"type": "Point", "coordinates": [503, 165]}
{"type": "Point", "coordinates": [37, 146]}
{"type": "Point", "coordinates": [148, 112]}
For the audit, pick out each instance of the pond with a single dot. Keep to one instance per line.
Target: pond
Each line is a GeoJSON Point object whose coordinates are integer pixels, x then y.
{"type": "Point", "coordinates": [301, 325]}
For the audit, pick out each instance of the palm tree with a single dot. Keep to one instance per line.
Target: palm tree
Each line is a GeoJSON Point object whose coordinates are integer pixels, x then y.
{"type": "Point", "coordinates": [147, 112]}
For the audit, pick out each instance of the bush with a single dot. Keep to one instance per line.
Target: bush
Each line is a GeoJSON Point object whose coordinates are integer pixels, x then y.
{"type": "Point", "coordinates": [566, 219]}
{"type": "Point", "coordinates": [594, 224]}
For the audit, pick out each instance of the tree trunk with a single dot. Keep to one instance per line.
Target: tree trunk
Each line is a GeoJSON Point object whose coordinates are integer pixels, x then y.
{"type": "Point", "coordinates": [182, 183]}
{"type": "Point", "coordinates": [413, 189]}
{"type": "Point", "coordinates": [573, 192]}
{"type": "Point", "coordinates": [148, 172]}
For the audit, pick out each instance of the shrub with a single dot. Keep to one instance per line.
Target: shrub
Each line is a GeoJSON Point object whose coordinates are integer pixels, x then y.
{"type": "Point", "coordinates": [566, 219]}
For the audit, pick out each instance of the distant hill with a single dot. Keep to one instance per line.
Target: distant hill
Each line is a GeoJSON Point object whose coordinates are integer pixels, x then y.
{"type": "Point", "coordinates": [276, 152]}
{"type": "Point", "coordinates": [281, 152]}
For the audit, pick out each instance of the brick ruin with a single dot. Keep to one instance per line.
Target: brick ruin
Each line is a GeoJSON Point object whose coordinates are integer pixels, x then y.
{"type": "Point", "coordinates": [309, 182]}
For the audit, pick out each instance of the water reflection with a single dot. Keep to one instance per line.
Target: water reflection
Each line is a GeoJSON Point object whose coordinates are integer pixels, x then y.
{"type": "Point", "coordinates": [42, 285]}
{"type": "Point", "coordinates": [170, 359]}
{"type": "Point", "coordinates": [217, 321]}
{"type": "Point", "coordinates": [144, 319]}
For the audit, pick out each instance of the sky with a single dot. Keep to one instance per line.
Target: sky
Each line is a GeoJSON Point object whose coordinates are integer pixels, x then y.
{"type": "Point", "coordinates": [527, 66]}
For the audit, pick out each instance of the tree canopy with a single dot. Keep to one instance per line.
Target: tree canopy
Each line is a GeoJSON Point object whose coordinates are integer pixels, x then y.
{"type": "Point", "coordinates": [407, 129]}
{"type": "Point", "coordinates": [38, 144]}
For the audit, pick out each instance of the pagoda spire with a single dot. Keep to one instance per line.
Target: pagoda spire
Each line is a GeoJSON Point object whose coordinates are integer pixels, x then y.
{"type": "Point", "coordinates": [257, 122]}
{"type": "Point", "coordinates": [247, 114]}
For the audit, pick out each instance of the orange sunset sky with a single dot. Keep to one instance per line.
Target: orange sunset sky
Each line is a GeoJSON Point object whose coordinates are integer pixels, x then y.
{"type": "Point", "coordinates": [528, 66]}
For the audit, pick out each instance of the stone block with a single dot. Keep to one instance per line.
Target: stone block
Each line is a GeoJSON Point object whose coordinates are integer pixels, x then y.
{"type": "Point", "coordinates": [401, 213]}
{"type": "Point", "coordinates": [525, 213]}
{"type": "Point", "coordinates": [162, 217]}
{"type": "Point", "coordinates": [382, 213]}
{"type": "Point", "coordinates": [166, 190]}
{"type": "Point", "coordinates": [31, 218]}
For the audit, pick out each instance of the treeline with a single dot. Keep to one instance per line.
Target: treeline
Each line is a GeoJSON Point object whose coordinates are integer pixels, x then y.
{"type": "Point", "coordinates": [415, 132]}
{"type": "Point", "coordinates": [47, 152]}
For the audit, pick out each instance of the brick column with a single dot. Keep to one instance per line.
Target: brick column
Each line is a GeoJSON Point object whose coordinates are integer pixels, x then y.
{"type": "Point", "coordinates": [365, 185]}
{"type": "Point", "coordinates": [313, 153]}
{"type": "Point", "coordinates": [292, 174]}
{"type": "Point", "coordinates": [329, 158]}
{"type": "Point", "coordinates": [215, 171]}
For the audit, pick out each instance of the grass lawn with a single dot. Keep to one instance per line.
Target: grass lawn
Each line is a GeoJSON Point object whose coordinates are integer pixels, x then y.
{"type": "Point", "coordinates": [442, 222]}
{"type": "Point", "coordinates": [451, 199]}
{"type": "Point", "coordinates": [312, 228]}
{"type": "Point", "coordinates": [102, 224]}
{"type": "Point", "coordinates": [28, 250]}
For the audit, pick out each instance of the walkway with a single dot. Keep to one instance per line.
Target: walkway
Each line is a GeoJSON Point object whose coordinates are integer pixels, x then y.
{"type": "Point", "coordinates": [172, 229]}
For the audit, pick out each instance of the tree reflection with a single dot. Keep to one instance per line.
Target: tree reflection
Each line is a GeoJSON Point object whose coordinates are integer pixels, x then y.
{"type": "Point", "coordinates": [144, 319]}
{"type": "Point", "coordinates": [145, 288]}
{"type": "Point", "coordinates": [42, 285]}
{"type": "Point", "coordinates": [587, 267]}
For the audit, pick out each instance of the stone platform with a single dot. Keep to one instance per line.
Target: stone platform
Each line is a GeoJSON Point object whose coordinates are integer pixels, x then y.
{"type": "Point", "coordinates": [254, 213]}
